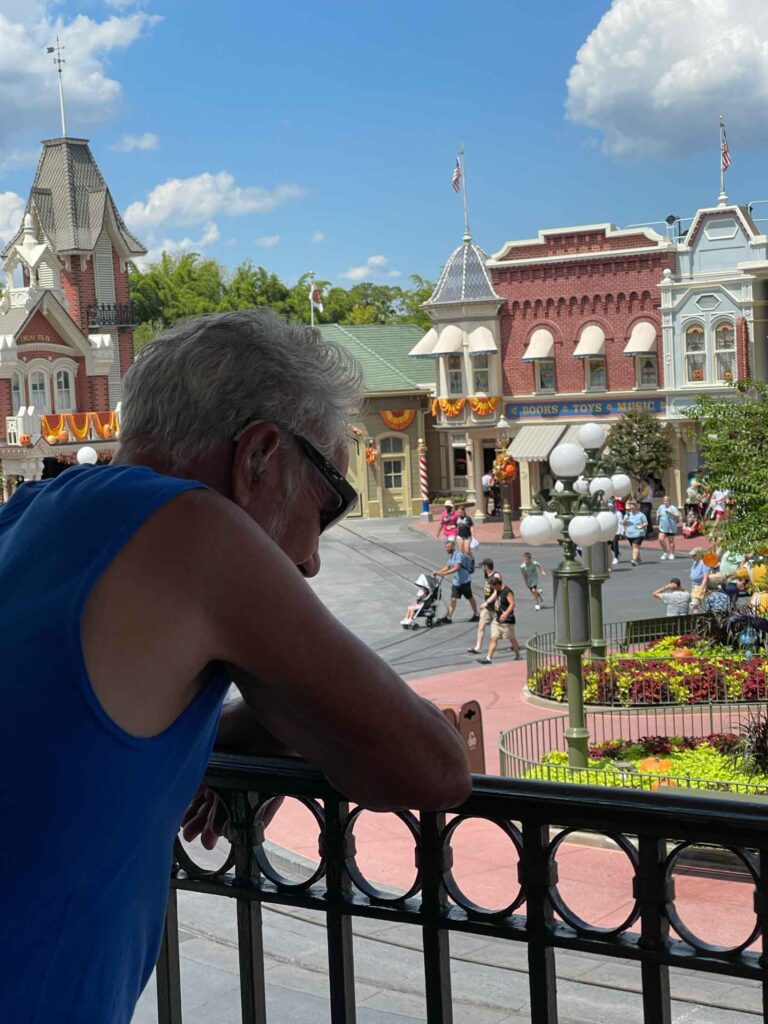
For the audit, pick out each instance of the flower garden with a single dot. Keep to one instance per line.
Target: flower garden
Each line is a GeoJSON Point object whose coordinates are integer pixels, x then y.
{"type": "Point", "coordinates": [673, 670]}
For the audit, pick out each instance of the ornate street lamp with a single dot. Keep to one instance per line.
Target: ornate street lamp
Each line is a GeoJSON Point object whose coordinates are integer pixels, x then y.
{"type": "Point", "coordinates": [502, 434]}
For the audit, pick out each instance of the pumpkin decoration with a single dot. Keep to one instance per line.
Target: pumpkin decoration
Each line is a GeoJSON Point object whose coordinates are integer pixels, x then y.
{"type": "Point", "coordinates": [25, 439]}
{"type": "Point", "coordinates": [108, 432]}
{"type": "Point", "coordinates": [63, 435]}
{"type": "Point", "coordinates": [698, 375]}
{"type": "Point", "coordinates": [51, 439]}
{"type": "Point", "coordinates": [505, 468]}
{"type": "Point", "coordinates": [370, 454]}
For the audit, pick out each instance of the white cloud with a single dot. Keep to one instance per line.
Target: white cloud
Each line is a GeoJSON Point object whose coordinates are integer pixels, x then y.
{"type": "Point", "coordinates": [18, 158]}
{"type": "Point", "coordinates": [28, 77]}
{"type": "Point", "coordinates": [267, 241]}
{"type": "Point", "coordinates": [654, 75]}
{"type": "Point", "coordinates": [317, 236]}
{"type": "Point", "coordinates": [12, 208]}
{"type": "Point", "coordinates": [176, 246]}
{"type": "Point", "coordinates": [196, 200]}
{"type": "Point", "coordinates": [148, 140]}
{"type": "Point", "coordinates": [373, 267]}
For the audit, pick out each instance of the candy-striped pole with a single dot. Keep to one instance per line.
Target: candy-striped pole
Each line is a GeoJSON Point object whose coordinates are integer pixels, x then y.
{"type": "Point", "coordinates": [424, 479]}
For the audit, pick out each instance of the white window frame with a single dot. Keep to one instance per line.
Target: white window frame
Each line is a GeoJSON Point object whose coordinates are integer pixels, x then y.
{"type": "Point", "coordinates": [481, 374]}
{"type": "Point", "coordinates": [17, 388]}
{"type": "Point", "coordinates": [541, 388]}
{"type": "Point", "coordinates": [639, 384]}
{"type": "Point", "coordinates": [70, 390]}
{"type": "Point", "coordinates": [392, 438]}
{"type": "Point", "coordinates": [698, 354]}
{"type": "Point", "coordinates": [45, 408]}
{"type": "Point", "coordinates": [454, 375]}
{"type": "Point", "coordinates": [386, 466]}
{"type": "Point", "coordinates": [718, 351]}
{"type": "Point", "coordinates": [593, 364]}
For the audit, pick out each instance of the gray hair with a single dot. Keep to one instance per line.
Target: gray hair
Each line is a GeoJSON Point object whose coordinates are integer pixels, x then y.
{"type": "Point", "coordinates": [205, 378]}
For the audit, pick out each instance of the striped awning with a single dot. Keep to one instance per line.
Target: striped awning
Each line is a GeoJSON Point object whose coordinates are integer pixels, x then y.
{"type": "Point", "coordinates": [591, 342]}
{"type": "Point", "coordinates": [540, 346]}
{"type": "Point", "coordinates": [642, 340]}
{"type": "Point", "coordinates": [534, 443]}
{"type": "Point", "coordinates": [425, 348]}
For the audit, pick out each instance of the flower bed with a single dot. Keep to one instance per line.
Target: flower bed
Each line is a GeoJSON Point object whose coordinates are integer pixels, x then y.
{"type": "Point", "coordinates": [652, 762]}
{"type": "Point", "coordinates": [673, 670]}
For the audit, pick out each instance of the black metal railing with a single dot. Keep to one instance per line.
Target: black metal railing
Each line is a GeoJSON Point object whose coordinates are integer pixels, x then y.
{"type": "Point", "coordinates": [523, 749]}
{"type": "Point", "coordinates": [655, 832]}
{"type": "Point", "coordinates": [111, 314]}
{"type": "Point", "coordinates": [630, 676]}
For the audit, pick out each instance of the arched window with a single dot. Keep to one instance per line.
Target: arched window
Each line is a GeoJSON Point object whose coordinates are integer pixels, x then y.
{"type": "Point", "coordinates": [695, 355]}
{"type": "Point", "coordinates": [725, 352]}
{"type": "Point", "coordinates": [17, 393]}
{"type": "Point", "coordinates": [64, 391]}
{"type": "Point", "coordinates": [38, 392]}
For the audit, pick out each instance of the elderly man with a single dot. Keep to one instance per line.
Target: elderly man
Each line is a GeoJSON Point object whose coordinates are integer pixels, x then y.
{"type": "Point", "coordinates": [131, 596]}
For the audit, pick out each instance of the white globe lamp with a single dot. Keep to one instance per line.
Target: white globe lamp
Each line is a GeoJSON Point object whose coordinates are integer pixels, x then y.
{"type": "Point", "coordinates": [535, 530]}
{"type": "Point", "coordinates": [555, 524]}
{"type": "Point", "coordinates": [607, 523]}
{"type": "Point", "coordinates": [584, 531]}
{"type": "Point", "coordinates": [591, 436]}
{"type": "Point", "coordinates": [568, 460]}
{"type": "Point", "coordinates": [559, 486]}
{"type": "Point", "coordinates": [622, 485]}
{"type": "Point", "coordinates": [581, 486]}
{"type": "Point", "coordinates": [87, 456]}
{"type": "Point", "coordinates": [601, 483]}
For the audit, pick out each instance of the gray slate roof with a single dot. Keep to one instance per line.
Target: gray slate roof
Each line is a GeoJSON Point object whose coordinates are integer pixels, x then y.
{"type": "Point", "coordinates": [464, 277]}
{"type": "Point", "coordinates": [71, 199]}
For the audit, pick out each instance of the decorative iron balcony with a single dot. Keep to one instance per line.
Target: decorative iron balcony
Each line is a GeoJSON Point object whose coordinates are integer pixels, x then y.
{"type": "Point", "coordinates": [111, 314]}
{"type": "Point", "coordinates": [655, 832]}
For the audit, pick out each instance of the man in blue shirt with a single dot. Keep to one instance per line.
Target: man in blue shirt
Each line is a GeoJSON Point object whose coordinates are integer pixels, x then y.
{"type": "Point", "coordinates": [460, 566]}
{"type": "Point", "coordinates": [668, 518]}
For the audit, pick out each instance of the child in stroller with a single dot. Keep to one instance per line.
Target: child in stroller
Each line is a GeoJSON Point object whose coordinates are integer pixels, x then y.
{"type": "Point", "coordinates": [427, 596]}
{"type": "Point", "coordinates": [692, 525]}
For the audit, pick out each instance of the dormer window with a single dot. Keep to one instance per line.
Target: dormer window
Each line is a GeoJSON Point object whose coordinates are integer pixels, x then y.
{"type": "Point", "coordinates": [38, 392]}
{"type": "Point", "coordinates": [64, 391]}
{"type": "Point", "coordinates": [455, 375]}
{"type": "Point", "coordinates": [17, 393]}
{"type": "Point", "coordinates": [481, 375]}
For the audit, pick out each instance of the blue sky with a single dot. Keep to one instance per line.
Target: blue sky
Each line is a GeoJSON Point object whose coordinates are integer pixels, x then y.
{"type": "Point", "coordinates": [323, 137]}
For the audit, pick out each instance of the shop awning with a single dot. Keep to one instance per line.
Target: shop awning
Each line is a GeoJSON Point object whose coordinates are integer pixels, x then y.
{"type": "Point", "coordinates": [571, 436]}
{"type": "Point", "coordinates": [424, 349]}
{"type": "Point", "coordinates": [481, 342]}
{"type": "Point", "coordinates": [642, 340]}
{"type": "Point", "coordinates": [534, 443]}
{"type": "Point", "coordinates": [591, 342]}
{"type": "Point", "coordinates": [450, 341]}
{"type": "Point", "coordinates": [540, 346]}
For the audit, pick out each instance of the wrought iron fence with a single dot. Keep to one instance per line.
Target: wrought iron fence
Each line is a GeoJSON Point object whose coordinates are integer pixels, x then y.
{"type": "Point", "coordinates": [628, 676]}
{"type": "Point", "coordinates": [654, 832]}
{"type": "Point", "coordinates": [111, 314]}
{"type": "Point", "coordinates": [521, 749]}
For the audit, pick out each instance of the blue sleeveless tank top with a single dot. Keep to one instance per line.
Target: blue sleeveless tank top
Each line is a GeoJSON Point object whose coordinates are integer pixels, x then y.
{"type": "Point", "coordinates": [88, 812]}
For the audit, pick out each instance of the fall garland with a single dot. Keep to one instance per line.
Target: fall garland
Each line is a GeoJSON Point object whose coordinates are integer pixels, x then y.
{"type": "Point", "coordinates": [398, 419]}
{"type": "Point", "coordinates": [371, 454]}
{"type": "Point", "coordinates": [483, 406]}
{"type": "Point", "coordinates": [451, 406]}
{"type": "Point", "coordinates": [505, 468]}
{"type": "Point", "coordinates": [76, 426]}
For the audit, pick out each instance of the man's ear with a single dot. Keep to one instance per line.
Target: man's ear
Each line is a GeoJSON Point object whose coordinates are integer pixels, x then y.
{"type": "Point", "coordinates": [254, 451]}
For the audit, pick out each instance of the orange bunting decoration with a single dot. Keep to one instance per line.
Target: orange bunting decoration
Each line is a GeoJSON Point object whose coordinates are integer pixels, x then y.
{"type": "Point", "coordinates": [51, 424]}
{"type": "Point", "coordinates": [483, 406]}
{"type": "Point", "coordinates": [435, 406]}
{"type": "Point", "coordinates": [398, 419]}
{"type": "Point", "coordinates": [452, 406]}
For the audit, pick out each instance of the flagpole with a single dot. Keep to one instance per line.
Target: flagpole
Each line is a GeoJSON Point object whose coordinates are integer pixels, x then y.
{"type": "Point", "coordinates": [311, 303]}
{"type": "Point", "coordinates": [464, 185]}
{"type": "Point", "coordinates": [722, 199]}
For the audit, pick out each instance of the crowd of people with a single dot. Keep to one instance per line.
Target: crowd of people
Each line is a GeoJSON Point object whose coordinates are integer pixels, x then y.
{"type": "Point", "coordinates": [720, 581]}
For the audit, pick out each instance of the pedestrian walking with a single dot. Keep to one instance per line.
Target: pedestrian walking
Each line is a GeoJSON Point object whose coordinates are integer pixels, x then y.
{"type": "Point", "coordinates": [635, 528]}
{"type": "Point", "coordinates": [485, 613]}
{"type": "Point", "coordinates": [699, 578]}
{"type": "Point", "coordinates": [668, 518]}
{"type": "Point", "coordinates": [674, 596]}
{"type": "Point", "coordinates": [464, 530]}
{"type": "Point", "coordinates": [461, 567]}
{"type": "Point", "coordinates": [531, 572]}
{"type": "Point", "coordinates": [486, 484]}
{"type": "Point", "coordinates": [618, 511]}
{"type": "Point", "coordinates": [502, 602]}
{"type": "Point", "coordinates": [645, 502]}
{"type": "Point", "coordinates": [447, 525]}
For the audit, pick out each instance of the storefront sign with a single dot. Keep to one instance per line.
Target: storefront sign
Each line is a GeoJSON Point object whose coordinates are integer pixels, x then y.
{"type": "Point", "coordinates": [606, 407]}
{"type": "Point", "coordinates": [35, 337]}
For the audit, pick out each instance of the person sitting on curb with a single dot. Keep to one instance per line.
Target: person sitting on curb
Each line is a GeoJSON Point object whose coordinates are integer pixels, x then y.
{"type": "Point", "coordinates": [503, 624]}
{"type": "Point", "coordinates": [486, 616]}
{"type": "Point", "coordinates": [675, 597]}
{"type": "Point", "coordinates": [462, 566]}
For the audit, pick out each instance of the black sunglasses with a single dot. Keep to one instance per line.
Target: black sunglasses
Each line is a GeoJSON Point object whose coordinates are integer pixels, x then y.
{"type": "Point", "coordinates": [346, 495]}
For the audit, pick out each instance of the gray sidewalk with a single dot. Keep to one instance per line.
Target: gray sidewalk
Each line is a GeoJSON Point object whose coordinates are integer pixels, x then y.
{"type": "Point", "coordinates": [489, 977]}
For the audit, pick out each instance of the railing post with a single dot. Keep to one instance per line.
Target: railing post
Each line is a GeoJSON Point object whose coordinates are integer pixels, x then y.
{"type": "Point", "coordinates": [167, 971]}
{"type": "Point", "coordinates": [761, 910]}
{"type": "Point", "coordinates": [433, 860]}
{"type": "Point", "coordinates": [336, 848]}
{"type": "Point", "coordinates": [537, 874]}
{"type": "Point", "coordinates": [250, 942]}
{"type": "Point", "coordinates": [653, 890]}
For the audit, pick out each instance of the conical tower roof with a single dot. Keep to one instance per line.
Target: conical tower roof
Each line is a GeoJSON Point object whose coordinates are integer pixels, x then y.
{"type": "Point", "coordinates": [464, 277]}
{"type": "Point", "coordinates": [71, 201]}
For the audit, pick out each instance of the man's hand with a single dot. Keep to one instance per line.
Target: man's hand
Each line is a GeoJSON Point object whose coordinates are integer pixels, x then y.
{"type": "Point", "coordinates": [206, 817]}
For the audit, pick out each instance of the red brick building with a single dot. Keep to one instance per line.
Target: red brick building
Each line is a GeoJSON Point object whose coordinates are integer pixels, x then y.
{"type": "Point", "coordinates": [66, 332]}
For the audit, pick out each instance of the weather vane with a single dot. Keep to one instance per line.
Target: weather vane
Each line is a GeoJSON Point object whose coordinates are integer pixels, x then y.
{"type": "Point", "coordinates": [58, 60]}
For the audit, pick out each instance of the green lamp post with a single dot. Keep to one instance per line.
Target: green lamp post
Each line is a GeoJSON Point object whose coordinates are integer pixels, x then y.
{"type": "Point", "coordinates": [502, 435]}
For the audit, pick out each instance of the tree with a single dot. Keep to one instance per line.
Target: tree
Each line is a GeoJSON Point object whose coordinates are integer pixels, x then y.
{"type": "Point", "coordinates": [640, 444]}
{"type": "Point", "coordinates": [734, 450]}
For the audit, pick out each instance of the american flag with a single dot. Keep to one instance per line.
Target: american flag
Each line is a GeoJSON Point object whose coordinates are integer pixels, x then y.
{"type": "Point", "coordinates": [456, 180]}
{"type": "Point", "coordinates": [725, 153]}
{"type": "Point", "coordinates": [315, 297]}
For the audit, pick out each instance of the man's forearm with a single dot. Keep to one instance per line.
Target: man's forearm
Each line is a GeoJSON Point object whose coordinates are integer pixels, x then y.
{"type": "Point", "coordinates": [241, 732]}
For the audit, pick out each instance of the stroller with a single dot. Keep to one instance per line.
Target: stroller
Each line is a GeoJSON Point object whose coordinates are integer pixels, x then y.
{"type": "Point", "coordinates": [426, 602]}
